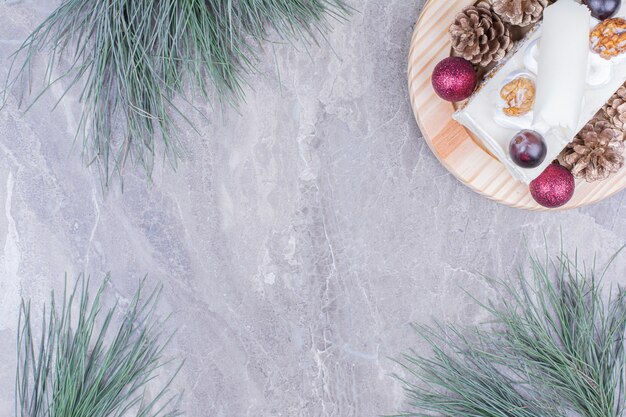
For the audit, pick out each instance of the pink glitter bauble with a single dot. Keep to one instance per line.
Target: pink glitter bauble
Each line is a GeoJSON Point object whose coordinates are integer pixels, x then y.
{"type": "Point", "coordinates": [454, 79]}
{"type": "Point", "coordinates": [554, 187]}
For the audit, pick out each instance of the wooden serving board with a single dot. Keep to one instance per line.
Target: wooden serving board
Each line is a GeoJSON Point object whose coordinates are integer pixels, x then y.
{"type": "Point", "coordinates": [451, 143]}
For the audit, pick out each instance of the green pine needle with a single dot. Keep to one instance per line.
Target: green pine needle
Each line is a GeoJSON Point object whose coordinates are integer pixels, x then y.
{"type": "Point", "coordinates": [555, 348]}
{"type": "Point", "coordinates": [460, 380]}
{"type": "Point", "coordinates": [85, 365]}
{"type": "Point", "coordinates": [131, 58]}
{"type": "Point", "coordinates": [565, 336]}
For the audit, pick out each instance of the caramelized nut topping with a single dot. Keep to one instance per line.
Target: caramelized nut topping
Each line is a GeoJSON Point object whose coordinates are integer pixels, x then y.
{"type": "Point", "coordinates": [608, 39]}
{"type": "Point", "coordinates": [519, 95]}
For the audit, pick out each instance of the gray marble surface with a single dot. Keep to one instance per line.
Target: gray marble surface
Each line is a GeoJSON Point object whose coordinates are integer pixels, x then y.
{"type": "Point", "coordinates": [298, 238]}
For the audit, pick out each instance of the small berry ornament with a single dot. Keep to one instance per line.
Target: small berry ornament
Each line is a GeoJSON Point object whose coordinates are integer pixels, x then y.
{"type": "Point", "coordinates": [603, 9]}
{"type": "Point", "coordinates": [454, 79]}
{"type": "Point", "coordinates": [554, 187]}
{"type": "Point", "coordinates": [528, 149]}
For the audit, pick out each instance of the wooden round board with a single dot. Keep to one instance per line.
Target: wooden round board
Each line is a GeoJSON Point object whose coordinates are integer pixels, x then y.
{"type": "Point", "coordinates": [461, 154]}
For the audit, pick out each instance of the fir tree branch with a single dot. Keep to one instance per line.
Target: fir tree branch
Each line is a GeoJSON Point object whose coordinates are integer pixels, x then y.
{"type": "Point", "coordinates": [85, 365]}
{"type": "Point", "coordinates": [555, 348]}
{"type": "Point", "coordinates": [132, 58]}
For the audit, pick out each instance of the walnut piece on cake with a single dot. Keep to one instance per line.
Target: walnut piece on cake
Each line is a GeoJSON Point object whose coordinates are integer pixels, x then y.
{"type": "Point", "coordinates": [608, 39]}
{"type": "Point", "coordinates": [519, 95]}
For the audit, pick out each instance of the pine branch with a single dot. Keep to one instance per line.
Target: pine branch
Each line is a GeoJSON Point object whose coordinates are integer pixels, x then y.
{"type": "Point", "coordinates": [132, 58]}
{"type": "Point", "coordinates": [565, 336]}
{"type": "Point", "coordinates": [555, 347]}
{"type": "Point", "coordinates": [87, 366]}
{"type": "Point", "coordinates": [461, 380]}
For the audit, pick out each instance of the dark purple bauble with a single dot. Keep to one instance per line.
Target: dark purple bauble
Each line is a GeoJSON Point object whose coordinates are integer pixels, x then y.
{"type": "Point", "coordinates": [554, 187]}
{"type": "Point", "coordinates": [454, 79]}
{"type": "Point", "coordinates": [603, 9]}
{"type": "Point", "coordinates": [528, 149]}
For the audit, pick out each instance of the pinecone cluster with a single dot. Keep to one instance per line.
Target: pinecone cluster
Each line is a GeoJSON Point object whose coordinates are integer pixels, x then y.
{"type": "Point", "coordinates": [596, 152]}
{"type": "Point", "coordinates": [598, 149]}
{"type": "Point", "coordinates": [481, 32]}
{"type": "Point", "coordinates": [479, 35]}
{"type": "Point", "coordinates": [520, 12]}
{"type": "Point", "coordinates": [615, 109]}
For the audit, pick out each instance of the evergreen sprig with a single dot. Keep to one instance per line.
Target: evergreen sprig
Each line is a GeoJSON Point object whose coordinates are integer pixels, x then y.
{"type": "Point", "coordinates": [132, 58]}
{"type": "Point", "coordinates": [86, 365]}
{"type": "Point", "coordinates": [555, 348]}
{"type": "Point", "coordinates": [565, 336]}
{"type": "Point", "coordinates": [460, 379]}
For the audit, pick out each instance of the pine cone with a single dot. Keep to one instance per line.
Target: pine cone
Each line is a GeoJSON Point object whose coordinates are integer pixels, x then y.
{"type": "Point", "coordinates": [479, 35]}
{"type": "Point", "coordinates": [615, 109]}
{"type": "Point", "coordinates": [596, 152]}
{"type": "Point", "coordinates": [520, 12]}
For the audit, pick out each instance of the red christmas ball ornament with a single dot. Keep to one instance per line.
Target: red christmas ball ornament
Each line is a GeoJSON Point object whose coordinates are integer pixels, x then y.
{"type": "Point", "coordinates": [454, 79]}
{"type": "Point", "coordinates": [554, 187]}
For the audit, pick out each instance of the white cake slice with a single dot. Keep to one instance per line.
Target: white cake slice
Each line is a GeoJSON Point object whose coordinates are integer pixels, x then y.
{"type": "Point", "coordinates": [572, 84]}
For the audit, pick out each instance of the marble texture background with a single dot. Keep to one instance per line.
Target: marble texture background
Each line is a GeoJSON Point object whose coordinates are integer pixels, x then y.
{"type": "Point", "coordinates": [298, 238]}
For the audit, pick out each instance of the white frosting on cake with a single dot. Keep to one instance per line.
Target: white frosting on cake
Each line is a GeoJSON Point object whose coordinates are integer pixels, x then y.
{"type": "Point", "coordinates": [562, 69]}
{"type": "Point", "coordinates": [572, 82]}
